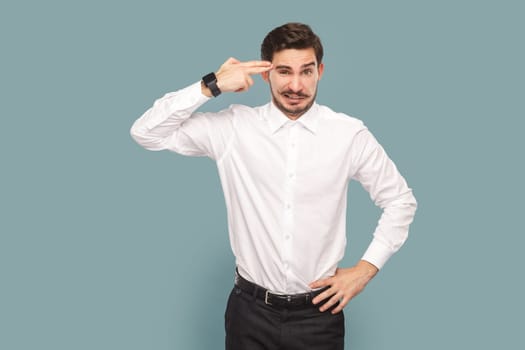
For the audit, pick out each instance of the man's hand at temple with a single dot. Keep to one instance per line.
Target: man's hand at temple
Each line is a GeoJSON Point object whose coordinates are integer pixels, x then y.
{"type": "Point", "coordinates": [236, 76]}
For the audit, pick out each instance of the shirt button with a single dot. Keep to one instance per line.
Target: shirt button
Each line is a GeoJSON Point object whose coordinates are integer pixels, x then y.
{"type": "Point", "coordinates": [291, 175]}
{"type": "Point", "coordinates": [288, 206]}
{"type": "Point", "coordinates": [287, 237]}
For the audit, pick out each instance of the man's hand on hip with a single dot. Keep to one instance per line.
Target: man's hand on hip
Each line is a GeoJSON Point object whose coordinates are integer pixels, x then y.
{"type": "Point", "coordinates": [344, 285]}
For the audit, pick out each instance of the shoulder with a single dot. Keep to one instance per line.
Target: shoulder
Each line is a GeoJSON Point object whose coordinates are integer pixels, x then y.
{"type": "Point", "coordinates": [246, 113]}
{"type": "Point", "coordinates": [244, 109]}
{"type": "Point", "coordinates": [337, 121]}
{"type": "Point", "coordinates": [233, 115]}
{"type": "Point", "coordinates": [230, 113]}
{"type": "Point", "coordinates": [237, 109]}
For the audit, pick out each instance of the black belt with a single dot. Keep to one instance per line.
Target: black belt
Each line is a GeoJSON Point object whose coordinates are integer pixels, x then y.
{"type": "Point", "coordinates": [281, 300]}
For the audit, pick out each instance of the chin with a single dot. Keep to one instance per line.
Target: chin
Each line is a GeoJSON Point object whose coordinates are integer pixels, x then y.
{"type": "Point", "coordinates": [293, 110]}
{"type": "Point", "coordinates": [298, 107]}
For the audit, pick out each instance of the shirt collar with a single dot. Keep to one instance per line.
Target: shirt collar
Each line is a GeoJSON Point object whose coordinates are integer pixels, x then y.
{"type": "Point", "coordinates": [277, 119]}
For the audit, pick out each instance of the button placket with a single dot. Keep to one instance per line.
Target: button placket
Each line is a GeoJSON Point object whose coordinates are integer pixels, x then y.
{"type": "Point", "coordinates": [288, 222]}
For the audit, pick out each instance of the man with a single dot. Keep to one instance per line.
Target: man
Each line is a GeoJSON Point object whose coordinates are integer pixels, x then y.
{"type": "Point", "coordinates": [285, 168]}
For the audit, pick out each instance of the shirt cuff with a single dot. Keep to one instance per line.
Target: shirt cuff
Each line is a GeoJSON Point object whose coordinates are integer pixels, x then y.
{"type": "Point", "coordinates": [377, 254]}
{"type": "Point", "coordinates": [198, 86]}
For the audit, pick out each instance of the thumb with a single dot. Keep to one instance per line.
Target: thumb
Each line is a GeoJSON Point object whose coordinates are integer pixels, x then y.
{"type": "Point", "coordinates": [232, 60]}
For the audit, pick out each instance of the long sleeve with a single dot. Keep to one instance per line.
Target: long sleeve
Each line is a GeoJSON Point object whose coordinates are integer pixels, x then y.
{"type": "Point", "coordinates": [172, 124]}
{"type": "Point", "coordinates": [388, 189]}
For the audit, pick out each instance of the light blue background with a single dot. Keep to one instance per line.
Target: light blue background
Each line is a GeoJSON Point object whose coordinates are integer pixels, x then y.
{"type": "Point", "coordinates": [104, 245]}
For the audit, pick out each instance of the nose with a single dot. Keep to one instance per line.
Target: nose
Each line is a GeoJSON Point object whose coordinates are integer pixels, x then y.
{"type": "Point", "coordinates": [295, 83]}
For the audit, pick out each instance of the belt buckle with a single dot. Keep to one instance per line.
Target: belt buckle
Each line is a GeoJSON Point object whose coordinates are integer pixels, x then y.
{"type": "Point", "coordinates": [266, 295]}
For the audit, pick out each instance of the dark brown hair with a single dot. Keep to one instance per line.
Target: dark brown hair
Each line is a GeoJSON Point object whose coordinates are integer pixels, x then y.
{"type": "Point", "coordinates": [291, 36]}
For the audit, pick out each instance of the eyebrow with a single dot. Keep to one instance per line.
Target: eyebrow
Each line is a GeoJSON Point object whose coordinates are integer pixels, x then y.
{"type": "Point", "coordinates": [302, 67]}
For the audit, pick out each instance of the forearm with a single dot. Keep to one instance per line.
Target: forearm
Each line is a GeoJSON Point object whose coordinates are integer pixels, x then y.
{"type": "Point", "coordinates": [392, 229]}
{"type": "Point", "coordinates": [158, 128]}
{"type": "Point", "coordinates": [154, 130]}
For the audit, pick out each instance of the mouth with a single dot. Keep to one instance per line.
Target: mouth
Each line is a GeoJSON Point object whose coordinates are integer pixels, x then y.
{"type": "Point", "coordinates": [294, 97]}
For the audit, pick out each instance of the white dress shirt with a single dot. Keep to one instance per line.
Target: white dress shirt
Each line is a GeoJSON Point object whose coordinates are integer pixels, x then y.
{"type": "Point", "coordinates": [285, 183]}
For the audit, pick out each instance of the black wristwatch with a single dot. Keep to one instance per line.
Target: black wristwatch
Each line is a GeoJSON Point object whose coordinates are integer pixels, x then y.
{"type": "Point", "coordinates": [210, 81]}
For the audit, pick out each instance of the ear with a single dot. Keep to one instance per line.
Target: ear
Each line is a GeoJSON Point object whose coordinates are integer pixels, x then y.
{"type": "Point", "coordinates": [265, 76]}
{"type": "Point", "coordinates": [320, 70]}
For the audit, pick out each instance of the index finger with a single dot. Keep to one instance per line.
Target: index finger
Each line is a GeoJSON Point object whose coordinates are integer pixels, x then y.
{"type": "Point", "coordinates": [256, 70]}
{"type": "Point", "coordinates": [254, 63]}
{"type": "Point", "coordinates": [254, 67]}
{"type": "Point", "coordinates": [324, 295]}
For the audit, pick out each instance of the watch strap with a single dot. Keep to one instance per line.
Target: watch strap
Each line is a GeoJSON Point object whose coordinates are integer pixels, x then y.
{"type": "Point", "coordinates": [210, 81]}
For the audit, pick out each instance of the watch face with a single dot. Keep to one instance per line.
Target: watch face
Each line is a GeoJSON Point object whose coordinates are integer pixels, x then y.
{"type": "Point", "coordinates": [209, 78]}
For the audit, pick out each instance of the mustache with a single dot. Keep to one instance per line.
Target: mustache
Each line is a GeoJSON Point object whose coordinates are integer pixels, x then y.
{"type": "Point", "coordinates": [294, 93]}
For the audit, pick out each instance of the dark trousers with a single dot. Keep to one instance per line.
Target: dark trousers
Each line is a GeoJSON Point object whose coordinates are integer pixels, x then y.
{"type": "Point", "coordinates": [253, 325]}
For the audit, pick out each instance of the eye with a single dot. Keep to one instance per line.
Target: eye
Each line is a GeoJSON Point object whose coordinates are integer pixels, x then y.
{"type": "Point", "coordinates": [284, 72]}
{"type": "Point", "coordinates": [308, 72]}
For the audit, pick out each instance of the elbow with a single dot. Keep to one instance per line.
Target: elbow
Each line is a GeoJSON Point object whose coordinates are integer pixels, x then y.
{"type": "Point", "coordinates": [134, 133]}
{"type": "Point", "coordinates": [409, 204]}
{"type": "Point", "coordinates": [144, 139]}
{"type": "Point", "coordinates": [409, 201]}
{"type": "Point", "coordinates": [413, 204]}
{"type": "Point", "coordinates": [403, 199]}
